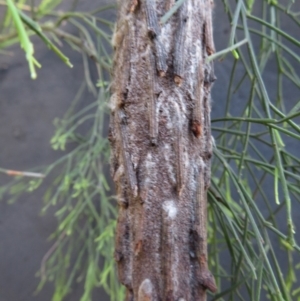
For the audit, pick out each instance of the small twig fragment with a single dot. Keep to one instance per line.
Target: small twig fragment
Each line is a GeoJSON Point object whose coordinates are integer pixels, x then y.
{"type": "Point", "coordinates": [197, 126]}
{"type": "Point", "coordinates": [207, 125]}
{"type": "Point", "coordinates": [22, 173]}
{"type": "Point", "coordinates": [209, 74]}
{"type": "Point", "coordinates": [161, 57]}
{"type": "Point", "coordinates": [153, 120]}
{"type": "Point", "coordinates": [122, 253]}
{"type": "Point", "coordinates": [151, 15]}
{"type": "Point", "coordinates": [129, 172]}
{"type": "Point", "coordinates": [179, 55]}
{"type": "Point", "coordinates": [179, 159]}
{"type": "Point", "coordinates": [126, 70]}
{"type": "Point", "coordinates": [208, 33]}
{"type": "Point", "coordinates": [206, 278]}
{"type": "Point", "coordinates": [208, 151]}
{"type": "Point", "coordinates": [154, 33]}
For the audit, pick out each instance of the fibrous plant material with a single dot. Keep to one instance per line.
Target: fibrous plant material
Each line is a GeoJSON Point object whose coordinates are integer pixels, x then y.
{"type": "Point", "coordinates": [161, 148]}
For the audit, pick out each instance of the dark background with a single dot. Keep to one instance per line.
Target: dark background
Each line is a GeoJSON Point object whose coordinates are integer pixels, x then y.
{"type": "Point", "coordinates": [27, 110]}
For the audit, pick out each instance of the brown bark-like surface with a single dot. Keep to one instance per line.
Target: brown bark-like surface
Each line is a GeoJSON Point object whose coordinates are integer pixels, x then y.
{"type": "Point", "coordinates": [161, 148]}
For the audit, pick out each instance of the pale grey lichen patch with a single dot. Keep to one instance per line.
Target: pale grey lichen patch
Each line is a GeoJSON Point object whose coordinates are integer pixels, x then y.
{"type": "Point", "coordinates": [145, 290]}
{"type": "Point", "coordinates": [170, 208]}
{"type": "Point", "coordinates": [169, 164]}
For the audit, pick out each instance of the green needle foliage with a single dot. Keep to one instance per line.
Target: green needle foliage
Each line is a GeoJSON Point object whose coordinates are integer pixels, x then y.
{"type": "Point", "coordinates": [255, 176]}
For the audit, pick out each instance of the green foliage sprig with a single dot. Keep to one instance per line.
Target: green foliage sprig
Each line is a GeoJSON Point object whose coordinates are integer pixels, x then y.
{"type": "Point", "coordinates": [83, 243]}
{"type": "Point", "coordinates": [251, 151]}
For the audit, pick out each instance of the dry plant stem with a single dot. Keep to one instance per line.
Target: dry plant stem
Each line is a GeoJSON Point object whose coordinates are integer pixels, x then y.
{"type": "Point", "coordinates": [153, 126]}
{"type": "Point", "coordinates": [179, 53]}
{"type": "Point", "coordinates": [161, 149]}
{"type": "Point", "coordinates": [154, 33]}
{"type": "Point", "coordinates": [197, 124]}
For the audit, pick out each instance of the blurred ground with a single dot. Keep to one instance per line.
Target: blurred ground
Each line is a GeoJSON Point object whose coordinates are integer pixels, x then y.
{"type": "Point", "coordinates": [27, 110]}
